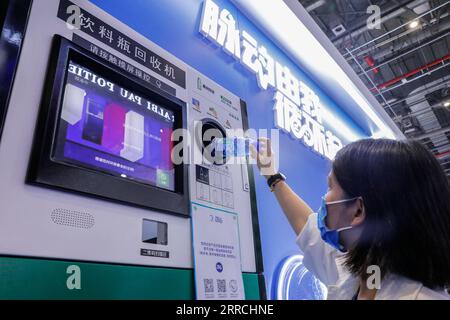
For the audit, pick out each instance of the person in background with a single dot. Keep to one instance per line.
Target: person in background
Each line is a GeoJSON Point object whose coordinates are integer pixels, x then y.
{"type": "Point", "coordinates": [386, 213]}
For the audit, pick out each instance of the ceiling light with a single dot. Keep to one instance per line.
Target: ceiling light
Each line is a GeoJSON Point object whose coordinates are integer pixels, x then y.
{"type": "Point", "coordinates": [447, 104]}
{"type": "Point", "coordinates": [414, 24]}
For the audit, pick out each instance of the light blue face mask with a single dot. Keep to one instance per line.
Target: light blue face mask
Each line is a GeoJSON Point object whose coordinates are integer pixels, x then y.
{"type": "Point", "coordinates": [330, 236]}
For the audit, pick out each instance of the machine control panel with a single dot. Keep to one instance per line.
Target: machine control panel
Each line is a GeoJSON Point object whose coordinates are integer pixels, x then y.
{"type": "Point", "coordinates": [214, 185]}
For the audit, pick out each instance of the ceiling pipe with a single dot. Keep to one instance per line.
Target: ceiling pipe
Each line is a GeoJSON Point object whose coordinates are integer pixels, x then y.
{"type": "Point", "coordinates": [399, 27]}
{"type": "Point", "coordinates": [418, 38]}
{"type": "Point", "coordinates": [414, 72]}
{"type": "Point", "coordinates": [390, 14]}
{"type": "Point", "coordinates": [315, 5]}
{"type": "Point", "coordinates": [433, 134]}
{"type": "Point", "coordinates": [443, 155]}
{"type": "Point", "coordinates": [436, 85]}
{"type": "Point", "coordinates": [415, 48]}
{"type": "Point", "coordinates": [424, 74]}
{"type": "Point", "coordinates": [429, 122]}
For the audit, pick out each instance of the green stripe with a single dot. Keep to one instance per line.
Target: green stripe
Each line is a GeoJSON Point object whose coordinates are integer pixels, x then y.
{"type": "Point", "coordinates": [30, 279]}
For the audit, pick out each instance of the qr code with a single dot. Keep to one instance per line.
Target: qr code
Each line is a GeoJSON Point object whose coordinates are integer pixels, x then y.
{"type": "Point", "coordinates": [221, 286]}
{"type": "Point", "coordinates": [209, 285]}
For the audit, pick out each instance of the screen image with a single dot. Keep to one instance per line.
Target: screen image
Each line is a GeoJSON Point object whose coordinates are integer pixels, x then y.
{"type": "Point", "coordinates": [108, 128]}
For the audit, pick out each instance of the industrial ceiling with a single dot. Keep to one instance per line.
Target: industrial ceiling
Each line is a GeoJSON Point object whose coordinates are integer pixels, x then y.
{"type": "Point", "coordinates": [401, 51]}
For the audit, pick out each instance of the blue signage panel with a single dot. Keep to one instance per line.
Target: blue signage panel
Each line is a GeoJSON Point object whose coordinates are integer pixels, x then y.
{"type": "Point", "coordinates": [176, 26]}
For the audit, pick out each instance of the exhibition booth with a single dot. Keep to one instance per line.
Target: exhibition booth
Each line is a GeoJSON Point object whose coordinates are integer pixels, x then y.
{"type": "Point", "coordinates": [105, 191]}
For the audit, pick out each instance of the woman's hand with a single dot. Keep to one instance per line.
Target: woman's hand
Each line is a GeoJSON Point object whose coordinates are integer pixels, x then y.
{"type": "Point", "coordinates": [295, 209]}
{"type": "Point", "coordinates": [265, 158]}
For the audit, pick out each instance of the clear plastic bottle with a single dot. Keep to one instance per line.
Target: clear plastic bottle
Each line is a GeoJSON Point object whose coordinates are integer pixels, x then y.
{"type": "Point", "coordinates": [234, 147]}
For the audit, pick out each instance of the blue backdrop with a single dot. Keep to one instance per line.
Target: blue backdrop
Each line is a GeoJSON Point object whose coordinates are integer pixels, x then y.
{"type": "Point", "coordinates": [174, 25]}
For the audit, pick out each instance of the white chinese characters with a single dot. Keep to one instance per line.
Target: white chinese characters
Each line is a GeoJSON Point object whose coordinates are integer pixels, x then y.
{"type": "Point", "coordinates": [297, 109]}
{"type": "Point", "coordinates": [221, 28]}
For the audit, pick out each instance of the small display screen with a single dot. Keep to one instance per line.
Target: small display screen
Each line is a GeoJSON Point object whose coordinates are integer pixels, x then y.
{"type": "Point", "coordinates": [106, 127]}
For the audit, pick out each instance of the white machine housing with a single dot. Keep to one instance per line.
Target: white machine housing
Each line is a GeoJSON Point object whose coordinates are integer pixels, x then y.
{"type": "Point", "coordinates": [47, 223]}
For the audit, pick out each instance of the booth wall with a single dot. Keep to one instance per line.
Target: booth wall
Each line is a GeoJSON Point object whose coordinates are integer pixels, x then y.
{"type": "Point", "coordinates": [174, 25]}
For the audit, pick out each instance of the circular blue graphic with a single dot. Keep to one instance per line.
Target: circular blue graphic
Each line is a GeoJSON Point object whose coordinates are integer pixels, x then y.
{"type": "Point", "coordinates": [293, 281]}
{"type": "Point", "coordinates": [219, 267]}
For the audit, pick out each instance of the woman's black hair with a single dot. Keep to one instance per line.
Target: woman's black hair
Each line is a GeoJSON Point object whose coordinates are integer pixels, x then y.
{"type": "Point", "coordinates": [406, 197]}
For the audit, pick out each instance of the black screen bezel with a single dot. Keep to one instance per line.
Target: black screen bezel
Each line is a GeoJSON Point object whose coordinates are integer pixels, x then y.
{"type": "Point", "coordinates": [44, 171]}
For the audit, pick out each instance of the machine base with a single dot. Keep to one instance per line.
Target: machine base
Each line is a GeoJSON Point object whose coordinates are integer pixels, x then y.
{"type": "Point", "coordinates": [36, 279]}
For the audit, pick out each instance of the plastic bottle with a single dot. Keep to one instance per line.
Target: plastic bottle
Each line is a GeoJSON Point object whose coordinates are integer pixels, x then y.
{"type": "Point", "coordinates": [234, 147]}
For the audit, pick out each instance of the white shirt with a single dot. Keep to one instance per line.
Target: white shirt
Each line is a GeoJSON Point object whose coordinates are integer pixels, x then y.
{"type": "Point", "coordinates": [326, 263]}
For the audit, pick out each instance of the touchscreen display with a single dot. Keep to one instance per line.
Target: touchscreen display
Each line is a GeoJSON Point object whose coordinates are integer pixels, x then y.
{"type": "Point", "coordinates": [106, 127]}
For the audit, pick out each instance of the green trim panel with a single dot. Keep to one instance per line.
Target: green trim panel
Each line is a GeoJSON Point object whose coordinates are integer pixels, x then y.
{"type": "Point", "coordinates": [29, 279]}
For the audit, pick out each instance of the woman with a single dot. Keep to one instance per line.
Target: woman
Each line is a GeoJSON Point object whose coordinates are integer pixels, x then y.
{"type": "Point", "coordinates": [383, 230]}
